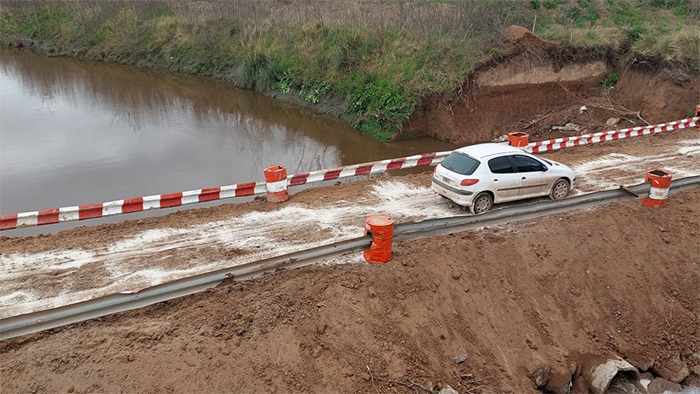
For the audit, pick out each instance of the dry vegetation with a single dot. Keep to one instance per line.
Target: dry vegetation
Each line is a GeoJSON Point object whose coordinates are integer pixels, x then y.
{"type": "Point", "coordinates": [381, 57]}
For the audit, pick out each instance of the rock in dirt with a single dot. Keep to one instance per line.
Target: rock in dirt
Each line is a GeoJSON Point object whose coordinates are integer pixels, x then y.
{"type": "Point", "coordinates": [646, 375]}
{"type": "Point", "coordinates": [560, 378]}
{"type": "Point", "coordinates": [626, 384]}
{"type": "Point", "coordinates": [371, 292]}
{"type": "Point", "coordinates": [672, 369]}
{"type": "Point", "coordinates": [612, 121]}
{"type": "Point", "coordinates": [460, 358]}
{"type": "Point", "coordinates": [540, 376]}
{"type": "Point", "coordinates": [448, 390]}
{"type": "Point", "coordinates": [642, 363]}
{"type": "Point", "coordinates": [661, 385]}
{"type": "Point", "coordinates": [567, 127]}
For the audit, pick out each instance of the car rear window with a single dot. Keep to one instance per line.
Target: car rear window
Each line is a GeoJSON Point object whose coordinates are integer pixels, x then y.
{"type": "Point", "coordinates": [501, 165]}
{"type": "Point", "coordinates": [460, 163]}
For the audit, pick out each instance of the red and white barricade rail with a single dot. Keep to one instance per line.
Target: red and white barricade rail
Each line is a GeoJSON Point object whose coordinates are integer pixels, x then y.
{"type": "Point", "coordinates": [82, 212]}
{"type": "Point", "coordinates": [568, 142]}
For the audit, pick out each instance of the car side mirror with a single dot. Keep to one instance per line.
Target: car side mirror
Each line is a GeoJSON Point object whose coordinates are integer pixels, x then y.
{"type": "Point", "coordinates": [545, 169]}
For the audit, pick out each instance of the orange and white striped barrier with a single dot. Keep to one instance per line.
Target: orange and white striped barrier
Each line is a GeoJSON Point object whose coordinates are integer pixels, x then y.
{"type": "Point", "coordinates": [569, 142]}
{"type": "Point", "coordinates": [138, 204]}
{"type": "Point", "coordinates": [118, 207]}
{"type": "Point", "coordinates": [276, 179]}
{"type": "Point", "coordinates": [381, 227]}
{"type": "Point", "coordinates": [660, 183]}
{"type": "Point", "coordinates": [518, 139]}
{"type": "Point", "coordinates": [82, 212]}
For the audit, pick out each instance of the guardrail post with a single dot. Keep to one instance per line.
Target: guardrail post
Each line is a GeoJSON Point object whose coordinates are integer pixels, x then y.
{"type": "Point", "coordinates": [276, 180]}
{"type": "Point", "coordinates": [518, 139]}
{"type": "Point", "coordinates": [660, 183]}
{"type": "Point", "coordinates": [381, 227]}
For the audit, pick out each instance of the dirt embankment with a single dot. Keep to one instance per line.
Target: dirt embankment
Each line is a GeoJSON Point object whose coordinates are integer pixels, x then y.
{"type": "Point", "coordinates": [537, 78]}
{"type": "Point", "coordinates": [556, 295]}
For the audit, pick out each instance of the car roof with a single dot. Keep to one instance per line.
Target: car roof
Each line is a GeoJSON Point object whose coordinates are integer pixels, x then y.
{"type": "Point", "coordinates": [481, 151]}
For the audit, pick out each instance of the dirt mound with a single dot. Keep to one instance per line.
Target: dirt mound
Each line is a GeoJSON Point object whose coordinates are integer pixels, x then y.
{"type": "Point", "coordinates": [523, 37]}
{"type": "Point", "coordinates": [550, 295]}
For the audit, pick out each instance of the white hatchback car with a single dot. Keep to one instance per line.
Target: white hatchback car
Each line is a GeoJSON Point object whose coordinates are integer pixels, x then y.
{"type": "Point", "coordinates": [479, 176]}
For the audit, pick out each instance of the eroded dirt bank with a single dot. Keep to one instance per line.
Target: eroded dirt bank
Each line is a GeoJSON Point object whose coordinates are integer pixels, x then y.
{"type": "Point", "coordinates": [540, 84]}
{"type": "Point", "coordinates": [563, 290]}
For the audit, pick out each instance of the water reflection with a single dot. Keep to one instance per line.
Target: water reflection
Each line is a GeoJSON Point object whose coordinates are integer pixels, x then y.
{"type": "Point", "coordinates": [74, 132]}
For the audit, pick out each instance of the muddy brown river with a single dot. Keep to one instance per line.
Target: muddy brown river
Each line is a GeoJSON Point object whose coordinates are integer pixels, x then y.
{"type": "Point", "coordinates": [75, 132]}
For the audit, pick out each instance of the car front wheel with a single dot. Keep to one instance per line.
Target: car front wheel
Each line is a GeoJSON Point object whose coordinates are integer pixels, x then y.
{"type": "Point", "coordinates": [560, 190]}
{"type": "Point", "coordinates": [482, 203]}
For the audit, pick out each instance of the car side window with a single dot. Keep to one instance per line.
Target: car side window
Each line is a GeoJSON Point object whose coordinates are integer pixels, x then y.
{"type": "Point", "coordinates": [501, 165]}
{"type": "Point", "coordinates": [527, 164]}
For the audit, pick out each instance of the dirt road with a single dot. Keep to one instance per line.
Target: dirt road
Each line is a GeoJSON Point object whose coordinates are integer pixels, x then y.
{"type": "Point", "coordinates": [74, 265]}
{"type": "Point", "coordinates": [561, 292]}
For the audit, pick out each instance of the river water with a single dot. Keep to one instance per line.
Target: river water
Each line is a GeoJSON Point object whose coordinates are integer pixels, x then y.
{"type": "Point", "coordinates": [75, 132]}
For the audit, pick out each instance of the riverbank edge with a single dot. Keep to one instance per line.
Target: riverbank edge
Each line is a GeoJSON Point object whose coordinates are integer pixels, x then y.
{"type": "Point", "coordinates": [335, 105]}
{"type": "Point", "coordinates": [328, 104]}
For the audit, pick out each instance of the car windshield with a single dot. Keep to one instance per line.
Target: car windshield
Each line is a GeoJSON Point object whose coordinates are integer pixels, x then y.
{"type": "Point", "coordinates": [460, 163]}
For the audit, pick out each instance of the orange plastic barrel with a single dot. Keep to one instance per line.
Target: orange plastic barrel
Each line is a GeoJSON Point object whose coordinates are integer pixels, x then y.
{"type": "Point", "coordinates": [382, 229]}
{"type": "Point", "coordinates": [518, 139]}
{"type": "Point", "coordinates": [276, 179]}
{"type": "Point", "coordinates": [660, 183]}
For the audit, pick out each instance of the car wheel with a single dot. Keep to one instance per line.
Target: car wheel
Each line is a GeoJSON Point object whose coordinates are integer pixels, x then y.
{"type": "Point", "coordinates": [560, 190]}
{"type": "Point", "coordinates": [482, 203]}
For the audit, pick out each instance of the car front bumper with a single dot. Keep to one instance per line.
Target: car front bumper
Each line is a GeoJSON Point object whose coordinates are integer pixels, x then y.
{"type": "Point", "coordinates": [459, 196]}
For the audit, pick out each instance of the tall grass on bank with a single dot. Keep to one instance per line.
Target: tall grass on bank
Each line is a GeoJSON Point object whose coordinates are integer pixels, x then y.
{"type": "Point", "coordinates": [383, 57]}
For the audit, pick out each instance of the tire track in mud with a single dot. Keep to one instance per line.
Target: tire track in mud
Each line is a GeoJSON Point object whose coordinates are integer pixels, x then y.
{"type": "Point", "coordinates": [38, 281]}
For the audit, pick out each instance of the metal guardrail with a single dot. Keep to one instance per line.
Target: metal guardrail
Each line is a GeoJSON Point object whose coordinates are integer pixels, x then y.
{"type": "Point", "coordinates": [37, 321]}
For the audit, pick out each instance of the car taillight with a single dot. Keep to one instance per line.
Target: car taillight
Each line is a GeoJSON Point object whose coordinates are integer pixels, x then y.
{"type": "Point", "coordinates": [434, 170]}
{"type": "Point", "coordinates": [469, 182]}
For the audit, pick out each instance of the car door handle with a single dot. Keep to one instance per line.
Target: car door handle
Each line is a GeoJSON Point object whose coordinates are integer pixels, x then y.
{"type": "Point", "coordinates": [523, 178]}
{"type": "Point", "coordinates": [495, 180]}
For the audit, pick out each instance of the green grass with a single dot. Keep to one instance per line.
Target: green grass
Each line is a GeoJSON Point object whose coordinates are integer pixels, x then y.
{"type": "Point", "coordinates": [381, 69]}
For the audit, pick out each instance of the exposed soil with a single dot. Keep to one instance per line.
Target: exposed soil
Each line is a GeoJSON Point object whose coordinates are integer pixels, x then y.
{"type": "Point", "coordinates": [540, 84]}
{"type": "Point", "coordinates": [618, 280]}
{"type": "Point", "coordinates": [659, 94]}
